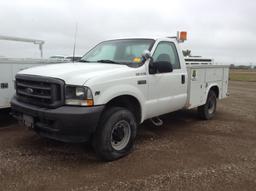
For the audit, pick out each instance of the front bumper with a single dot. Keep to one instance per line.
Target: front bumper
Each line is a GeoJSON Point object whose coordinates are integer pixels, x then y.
{"type": "Point", "coordinates": [66, 123]}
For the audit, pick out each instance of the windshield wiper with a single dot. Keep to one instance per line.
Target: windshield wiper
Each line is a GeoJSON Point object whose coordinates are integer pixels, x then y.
{"type": "Point", "coordinates": [101, 61]}
{"type": "Point", "coordinates": [84, 61]}
{"type": "Point", "coordinates": [108, 61]}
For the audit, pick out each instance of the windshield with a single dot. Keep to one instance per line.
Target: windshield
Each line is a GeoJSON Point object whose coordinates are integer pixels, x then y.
{"type": "Point", "coordinates": [126, 51]}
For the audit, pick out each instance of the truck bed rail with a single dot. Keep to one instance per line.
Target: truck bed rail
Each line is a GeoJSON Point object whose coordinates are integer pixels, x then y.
{"type": "Point", "coordinates": [198, 61]}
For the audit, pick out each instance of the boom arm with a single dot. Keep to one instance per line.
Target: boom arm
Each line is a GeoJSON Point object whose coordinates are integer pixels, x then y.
{"type": "Point", "coordinates": [18, 39]}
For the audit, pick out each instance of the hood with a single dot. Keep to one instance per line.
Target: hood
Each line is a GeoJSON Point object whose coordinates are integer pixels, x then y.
{"type": "Point", "coordinates": [74, 73]}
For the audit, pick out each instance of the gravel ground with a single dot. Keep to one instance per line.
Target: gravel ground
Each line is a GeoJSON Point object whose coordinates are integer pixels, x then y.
{"type": "Point", "coordinates": [185, 154]}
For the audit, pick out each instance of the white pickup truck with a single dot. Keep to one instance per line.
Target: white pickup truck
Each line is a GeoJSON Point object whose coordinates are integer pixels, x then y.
{"type": "Point", "coordinates": [116, 86]}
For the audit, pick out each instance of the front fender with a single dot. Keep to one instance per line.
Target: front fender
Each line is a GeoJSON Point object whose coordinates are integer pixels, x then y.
{"type": "Point", "coordinates": [121, 90]}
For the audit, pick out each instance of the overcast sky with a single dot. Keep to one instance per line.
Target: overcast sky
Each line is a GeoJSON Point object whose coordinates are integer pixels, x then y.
{"type": "Point", "coordinates": [222, 29]}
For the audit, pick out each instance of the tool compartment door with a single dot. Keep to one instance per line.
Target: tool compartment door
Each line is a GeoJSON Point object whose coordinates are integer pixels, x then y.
{"type": "Point", "coordinates": [6, 85]}
{"type": "Point", "coordinates": [196, 87]}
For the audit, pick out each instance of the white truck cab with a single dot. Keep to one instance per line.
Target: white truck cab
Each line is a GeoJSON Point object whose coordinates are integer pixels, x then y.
{"type": "Point", "coordinates": [115, 87]}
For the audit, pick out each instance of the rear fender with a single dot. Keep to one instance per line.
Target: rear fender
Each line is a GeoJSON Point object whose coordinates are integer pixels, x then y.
{"type": "Point", "coordinates": [209, 88]}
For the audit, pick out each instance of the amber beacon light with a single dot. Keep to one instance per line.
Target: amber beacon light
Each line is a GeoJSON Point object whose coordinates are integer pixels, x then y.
{"type": "Point", "coordinates": [182, 36]}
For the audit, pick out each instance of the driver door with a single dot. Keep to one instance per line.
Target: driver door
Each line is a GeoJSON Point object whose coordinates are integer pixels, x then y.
{"type": "Point", "coordinates": [167, 91]}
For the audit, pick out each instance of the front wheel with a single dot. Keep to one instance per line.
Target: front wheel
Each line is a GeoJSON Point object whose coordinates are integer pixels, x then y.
{"type": "Point", "coordinates": [115, 135]}
{"type": "Point", "coordinates": [207, 111]}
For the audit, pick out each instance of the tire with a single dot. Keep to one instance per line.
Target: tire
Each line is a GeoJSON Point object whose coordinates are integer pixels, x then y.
{"type": "Point", "coordinates": [208, 110]}
{"type": "Point", "coordinates": [115, 135]}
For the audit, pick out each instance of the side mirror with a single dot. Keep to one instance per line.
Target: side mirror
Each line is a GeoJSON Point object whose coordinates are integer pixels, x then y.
{"type": "Point", "coordinates": [152, 67]}
{"type": "Point", "coordinates": [163, 66]}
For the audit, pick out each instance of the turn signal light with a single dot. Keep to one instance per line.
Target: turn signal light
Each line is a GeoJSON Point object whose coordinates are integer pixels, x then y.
{"type": "Point", "coordinates": [89, 102]}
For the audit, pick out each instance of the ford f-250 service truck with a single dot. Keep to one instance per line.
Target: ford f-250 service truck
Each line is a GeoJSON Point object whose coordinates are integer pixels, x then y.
{"type": "Point", "coordinates": [116, 86]}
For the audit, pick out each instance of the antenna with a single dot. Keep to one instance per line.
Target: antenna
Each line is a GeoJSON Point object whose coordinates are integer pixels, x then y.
{"type": "Point", "coordinates": [74, 48]}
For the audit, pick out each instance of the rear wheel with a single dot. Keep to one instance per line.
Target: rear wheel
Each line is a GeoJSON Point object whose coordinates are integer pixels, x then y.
{"type": "Point", "coordinates": [115, 135]}
{"type": "Point", "coordinates": [207, 111]}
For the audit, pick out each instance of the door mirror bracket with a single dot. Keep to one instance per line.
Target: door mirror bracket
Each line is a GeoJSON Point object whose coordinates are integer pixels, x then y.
{"type": "Point", "coordinates": [146, 55]}
{"type": "Point", "coordinates": [152, 67]}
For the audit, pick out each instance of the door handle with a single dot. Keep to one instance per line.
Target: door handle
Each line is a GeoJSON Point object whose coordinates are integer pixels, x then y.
{"type": "Point", "coordinates": [182, 79]}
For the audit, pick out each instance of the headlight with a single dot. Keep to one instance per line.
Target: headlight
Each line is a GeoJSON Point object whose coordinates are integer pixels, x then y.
{"type": "Point", "coordinates": [78, 95]}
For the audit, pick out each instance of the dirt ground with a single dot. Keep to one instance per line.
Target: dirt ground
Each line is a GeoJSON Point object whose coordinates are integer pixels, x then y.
{"type": "Point", "coordinates": [185, 154]}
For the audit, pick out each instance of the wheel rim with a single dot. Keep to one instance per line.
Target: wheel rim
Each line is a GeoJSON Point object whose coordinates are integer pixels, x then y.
{"type": "Point", "coordinates": [211, 106]}
{"type": "Point", "coordinates": [120, 135]}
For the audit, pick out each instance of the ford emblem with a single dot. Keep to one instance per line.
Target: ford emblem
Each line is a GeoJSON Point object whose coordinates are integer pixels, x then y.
{"type": "Point", "coordinates": [29, 90]}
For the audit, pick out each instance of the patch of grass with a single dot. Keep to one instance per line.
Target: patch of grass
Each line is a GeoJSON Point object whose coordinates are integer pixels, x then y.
{"type": "Point", "coordinates": [242, 75]}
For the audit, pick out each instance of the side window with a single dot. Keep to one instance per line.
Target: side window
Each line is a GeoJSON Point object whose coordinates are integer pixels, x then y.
{"type": "Point", "coordinates": [166, 51]}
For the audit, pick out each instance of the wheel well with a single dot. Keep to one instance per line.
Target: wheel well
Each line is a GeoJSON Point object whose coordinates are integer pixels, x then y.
{"type": "Point", "coordinates": [129, 102]}
{"type": "Point", "coordinates": [216, 90]}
